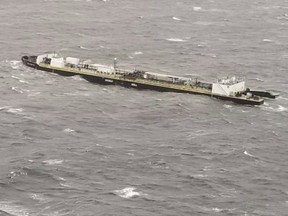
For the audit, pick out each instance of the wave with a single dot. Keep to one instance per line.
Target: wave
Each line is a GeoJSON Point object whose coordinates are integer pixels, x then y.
{"type": "Point", "coordinates": [197, 8]}
{"type": "Point", "coordinates": [33, 94]}
{"type": "Point", "coordinates": [128, 192]}
{"type": "Point", "coordinates": [248, 154]}
{"type": "Point", "coordinates": [4, 108]}
{"type": "Point", "coordinates": [37, 197]}
{"type": "Point", "coordinates": [207, 54]}
{"type": "Point", "coordinates": [227, 106]}
{"type": "Point", "coordinates": [176, 18]}
{"type": "Point", "coordinates": [267, 40]}
{"type": "Point", "coordinates": [175, 40]}
{"type": "Point", "coordinates": [84, 48]}
{"type": "Point", "coordinates": [15, 64]}
{"type": "Point", "coordinates": [19, 79]}
{"type": "Point", "coordinates": [69, 130]}
{"type": "Point", "coordinates": [258, 79]}
{"type": "Point", "coordinates": [81, 35]}
{"type": "Point", "coordinates": [282, 98]}
{"type": "Point", "coordinates": [9, 109]}
{"type": "Point", "coordinates": [202, 44]}
{"type": "Point", "coordinates": [14, 174]}
{"type": "Point", "coordinates": [77, 78]}
{"type": "Point", "coordinates": [138, 53]}
{"type": "Point", "coordinates": [77, 93]}
{"type": "Point", "coordinates": [16, 89]}
{"type": "Point", "coordinates": [279, 108]}
{"type": "Point", "coordinates": [52, 162]}
{"type": "Point", "coordinates": [15, 110]}
{"type": "Point", "coordinates": [13, 209]}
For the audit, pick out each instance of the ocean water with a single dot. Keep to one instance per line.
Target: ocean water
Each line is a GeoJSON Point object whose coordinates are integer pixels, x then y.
{"type": "Point", "coordinates": [69, 147]}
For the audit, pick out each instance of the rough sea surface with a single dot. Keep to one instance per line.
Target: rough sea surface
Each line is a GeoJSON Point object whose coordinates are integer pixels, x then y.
{"type": "Point", "coordinates": [69, 147]}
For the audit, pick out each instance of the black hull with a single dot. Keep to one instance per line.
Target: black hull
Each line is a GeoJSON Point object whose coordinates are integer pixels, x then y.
{"type": "Point", "coordinates": [30, 61]}
{"type": "Point", "coordinates": [264, 94]}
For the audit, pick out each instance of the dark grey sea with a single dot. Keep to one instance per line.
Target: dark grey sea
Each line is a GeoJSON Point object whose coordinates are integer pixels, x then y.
{"type": "Point", "coordinates": [70, 147]}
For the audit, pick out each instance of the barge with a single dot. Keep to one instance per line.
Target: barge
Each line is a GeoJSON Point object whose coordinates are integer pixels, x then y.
{"type": "Point", "coordinates": [230, 89]}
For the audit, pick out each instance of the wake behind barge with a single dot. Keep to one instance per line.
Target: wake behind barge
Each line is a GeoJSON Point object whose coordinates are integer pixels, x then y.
{"type": "Point", "coordinates": [230, 89]}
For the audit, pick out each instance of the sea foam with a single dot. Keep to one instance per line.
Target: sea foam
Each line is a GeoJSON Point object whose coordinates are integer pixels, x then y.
{"type": "Point", "coordinates": [13, 209]}
{"type": "Point", "coordinates": [138, 53]}
{"type": "Point", "coordinates": [127, 193]}
{"type": "Point", "coordinates": [14, 110]}
{"type": "Point", "coordinates": [279, 108]}
{"type": "Point", "coordinates": [69, 130]}
{"type": "Point", "coordinates": [175, 40]}
{"type": "Point", "coordinates": [52, 162]}
{"type": "Point", "coordinates": [176, 18]}
{"type": "Point", "coordinates": [197, 8]}
{"type": "Point", "coordinates": [248, 154]}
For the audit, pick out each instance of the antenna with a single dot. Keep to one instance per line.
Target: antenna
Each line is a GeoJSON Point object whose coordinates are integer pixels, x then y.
{"type": "Point", "coordinates": [115, 63]}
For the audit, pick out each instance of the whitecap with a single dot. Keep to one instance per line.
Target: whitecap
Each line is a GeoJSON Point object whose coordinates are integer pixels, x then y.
{"type": "Point", "coordinates": [197, 8]}
{"type": "Point", "coordinates": [41, 33]}
{"type": "Point", "coordinates": [15, 77]}
{"type": "Point", "coordinates": [69, 130]}
{"type": "Point", "coordinates": [248, 154]}
{"type": "Point", "coordinates": [23, 81]}
{"type": "Point", "coordinates": [281, 108]}
{"type": "Point", "coordinates": [138, 53]}
{"type": "Point", "coordinates": [97, 144]}
{"type": "Point", "coordinates": [15, 67]}
{"type": "Point", "coordinates": [16, 89]}
{"type": "Point", "coordinates": [200, 176]}
{"type": "Point", "coordinates": [258, 79]}
{"type": "Point", "coordinates": [77, 78]}
{"type": "Point", "coordinates": [217, 209]}
{"type": "Point", "coordinates": [52, 162]}
{"type": "Point", "coordinates": [282, 98]}
{"type": "Point", "coordinates": [176, 18]}
{"type": "Point", "coordinates": [61, 178]}
{"type": "Point", "coordinates": [274, 109]}
{"type": "Point", "coordinates": [84, 48]}
{"type": "Point", "coordinates": [15, 64]}
{"type": "Point", "coordinates": [13, 209]}
{"type": "Point", "coordinates": [127, 193]}
{"type": "Point", "coordinates": [19, 79]}
{"type": "Point", "coordinates": [65, 185]}
{"type": "Point", "coordinates": [33, 94]}
{"type": "Point", "coordinates": [227, 121]}
{"type": "Point", "coordinates": [201, 45]}
{"type": "Point", "coordinates": [227, 106]}
{"type": "Point", "coordinates": [37, 197]}
{"type": "Point", "coordinates": [175, 40]}
{"type": "Point", "coordinates": [267, 40]}
{"type": "Point", "coordinates": [15, 110]}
